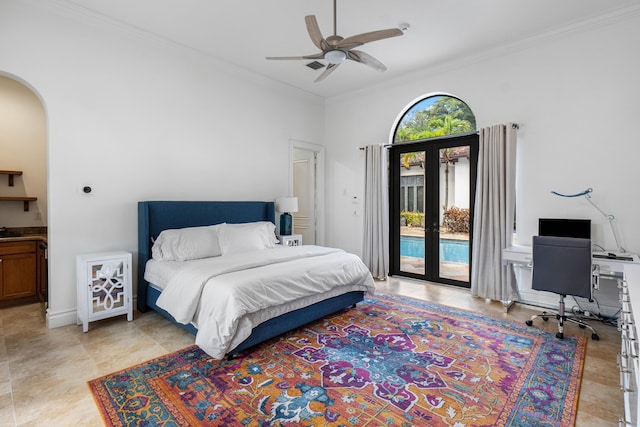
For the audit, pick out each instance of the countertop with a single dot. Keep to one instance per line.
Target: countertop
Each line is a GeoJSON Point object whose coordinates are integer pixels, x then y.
{"type": "Point", "coordinates": [17, 234]}
{"type": "Point", "coordinates": [39, 237]}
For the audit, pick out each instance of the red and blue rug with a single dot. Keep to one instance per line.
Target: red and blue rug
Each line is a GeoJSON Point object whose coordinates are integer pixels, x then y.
{"type": "Point", "coordinates": [392, 361]}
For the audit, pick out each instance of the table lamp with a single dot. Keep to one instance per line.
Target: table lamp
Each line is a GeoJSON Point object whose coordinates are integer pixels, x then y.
{"type": "Point", "coordinates": [611, 218]}
{"type": "Point", "coordinates": [286, 205]}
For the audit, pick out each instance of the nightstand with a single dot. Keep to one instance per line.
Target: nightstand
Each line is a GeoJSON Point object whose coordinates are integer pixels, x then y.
{"type": "Point", "coordinates": [291, 240]}
{"type": "Point", "coordinates": [104, 286]}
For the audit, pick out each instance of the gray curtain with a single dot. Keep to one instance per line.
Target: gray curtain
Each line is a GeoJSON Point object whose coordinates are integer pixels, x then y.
{"type": "Point", "coordinates": [494, 213]}
{"type": "Point", "coordinates": [375, 242]}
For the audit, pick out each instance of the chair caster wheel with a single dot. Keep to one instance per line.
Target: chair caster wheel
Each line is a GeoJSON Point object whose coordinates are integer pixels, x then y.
{"type": "Point", "coordinates": [545, 318]}
{"type": "Point", "coordinates": [529, 323]}
{"type": "Point", "coordinates": [560, 335]}
{"type": "Point", "coordinates": [582, 326]}
{"type": "Point", "coordinates": [595, 337]}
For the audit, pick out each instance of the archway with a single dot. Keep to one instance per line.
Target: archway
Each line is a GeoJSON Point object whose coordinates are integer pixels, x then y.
{"type": "Point", "coordinates": [23, 192]}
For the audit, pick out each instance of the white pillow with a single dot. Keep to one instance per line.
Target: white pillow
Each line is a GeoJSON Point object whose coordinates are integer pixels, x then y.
{"type": "Point", "coordinates": [187, 243]}
{"type": "Point", "coordinates": [253, 236]}
{"type": "Point", "coordinates": [266, 227]}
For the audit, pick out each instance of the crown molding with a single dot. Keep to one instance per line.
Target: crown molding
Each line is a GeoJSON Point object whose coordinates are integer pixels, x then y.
{"type": "Point", "coordinates": [576, 27]}
{"type": "Point", "coordinates": [71, 9]}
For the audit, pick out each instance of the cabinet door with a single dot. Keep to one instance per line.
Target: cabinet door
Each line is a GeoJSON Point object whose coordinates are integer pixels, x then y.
{"type": "Point", "coordinates": [107, 287]}
{"type": "Point", "coordinates": [41, 272]}
{"type": "Point", "coordinates": [18, 276]}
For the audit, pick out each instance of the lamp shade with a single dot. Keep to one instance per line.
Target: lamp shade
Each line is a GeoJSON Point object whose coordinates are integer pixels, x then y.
{"type": "Point", "coordinates": [287, 204]}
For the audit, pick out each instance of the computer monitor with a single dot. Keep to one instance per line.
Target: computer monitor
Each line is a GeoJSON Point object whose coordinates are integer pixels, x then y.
{"type": "Point", "coordinates": [564, 227]}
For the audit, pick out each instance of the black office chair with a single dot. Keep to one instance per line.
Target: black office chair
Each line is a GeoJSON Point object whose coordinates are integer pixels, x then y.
{"type": "Point", "coordinates": [562, 265]}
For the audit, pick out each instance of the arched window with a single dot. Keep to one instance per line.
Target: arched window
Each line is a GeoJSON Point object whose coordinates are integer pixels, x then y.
{"type": "Point", "coordinates": [435, 116]}
{"type": "Point", "coordinates": [432, 170]}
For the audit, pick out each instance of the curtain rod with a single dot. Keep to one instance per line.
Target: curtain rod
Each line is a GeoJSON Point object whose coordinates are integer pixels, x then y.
{"type": "Point", "coordinates": [383, 145]}
{"type": "Point", "coordinates": [513, 126]}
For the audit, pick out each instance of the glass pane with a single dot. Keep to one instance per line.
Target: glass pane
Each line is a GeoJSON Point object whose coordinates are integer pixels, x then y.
{"type": "Point", "coordinates": [434, 117]}
{"type": "Point", "coordinates": [412, 254]}
{"type": "Point", "coordinates": [454, 217]}
{"type": "Point", "coordinates": [107, 286]}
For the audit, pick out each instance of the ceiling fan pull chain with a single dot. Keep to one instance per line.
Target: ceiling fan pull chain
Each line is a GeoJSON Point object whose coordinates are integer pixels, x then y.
{"type": "Point", "coordinates": [335, 19]}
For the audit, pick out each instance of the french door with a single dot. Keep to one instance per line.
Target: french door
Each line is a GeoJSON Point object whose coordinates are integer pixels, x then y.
{"type": "Point", "coordinates": [432, 188]}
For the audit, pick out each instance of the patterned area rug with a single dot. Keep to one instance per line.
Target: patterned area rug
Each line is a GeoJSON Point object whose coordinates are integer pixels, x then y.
{"type": "Point", "coordinates": [392, 361]}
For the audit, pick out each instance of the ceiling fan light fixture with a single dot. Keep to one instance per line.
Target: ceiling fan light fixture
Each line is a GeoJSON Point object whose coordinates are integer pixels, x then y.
{"type": "Point", "coordinates": [336, 49]}
{"type": "Point", "coordinates": [335, 56]}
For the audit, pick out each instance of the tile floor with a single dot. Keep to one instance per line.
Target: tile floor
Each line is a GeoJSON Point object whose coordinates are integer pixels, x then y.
{"type": "Point", "coordinates": [44, 372]}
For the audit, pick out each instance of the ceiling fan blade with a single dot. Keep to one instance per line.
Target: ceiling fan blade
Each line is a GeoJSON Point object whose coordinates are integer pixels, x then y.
{"type": "Point", "coordinates": [314, 32]}
{"type": "Point", "coordinates": [366, 59]}
{"type": "Point", "coordinates": [372, 36]}
{"type": "Point", "coordinates": [330, 68]}
{"type": "Point", "coordinates": [314, 56]}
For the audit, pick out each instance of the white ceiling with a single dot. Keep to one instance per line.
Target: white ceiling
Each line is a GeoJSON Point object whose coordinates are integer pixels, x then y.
{"type": "Point", "coordinates": [243, 32]}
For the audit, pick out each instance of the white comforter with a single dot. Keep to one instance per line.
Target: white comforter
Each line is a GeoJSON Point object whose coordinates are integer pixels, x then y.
{"type": "Point", "coordinates": [225, 297]}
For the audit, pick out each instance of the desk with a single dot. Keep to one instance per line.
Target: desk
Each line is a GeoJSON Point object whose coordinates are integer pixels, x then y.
{"type": "Point", "coordinates": [522, 255]}
{"type": "Point", "coordinates": [628, 273]}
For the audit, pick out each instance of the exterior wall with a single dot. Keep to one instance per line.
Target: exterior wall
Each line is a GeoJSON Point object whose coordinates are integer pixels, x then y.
{"type": "Point", "coordinates": [461, 188]}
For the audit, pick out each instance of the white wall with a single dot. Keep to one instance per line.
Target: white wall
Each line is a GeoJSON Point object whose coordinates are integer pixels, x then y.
{"type": "Point", "coordinates": [576, 99]}
{"type": "Point", "coordinates": [23, 147]}
{"type": "Point", "coordinates": [138, 119]}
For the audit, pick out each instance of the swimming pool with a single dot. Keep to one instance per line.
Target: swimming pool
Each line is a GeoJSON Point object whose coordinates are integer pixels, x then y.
{"type": "Point", "coordinates": [450, 250]}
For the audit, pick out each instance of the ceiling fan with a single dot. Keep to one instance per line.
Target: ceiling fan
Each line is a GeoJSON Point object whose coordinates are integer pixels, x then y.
{"type": "Point", "coordinates": [336, 49]}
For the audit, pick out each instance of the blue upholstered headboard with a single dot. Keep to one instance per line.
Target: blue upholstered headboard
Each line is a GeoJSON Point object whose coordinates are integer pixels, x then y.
{"type": "Point", "coordinates": [156, 216]}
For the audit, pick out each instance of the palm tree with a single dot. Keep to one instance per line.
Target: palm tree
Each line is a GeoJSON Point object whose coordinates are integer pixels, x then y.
{"type": "Point", "coordinates": [449, 126]}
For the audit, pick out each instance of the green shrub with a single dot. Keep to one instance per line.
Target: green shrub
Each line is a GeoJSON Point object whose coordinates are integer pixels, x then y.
{"type": "Point", "coordinates": [413, 219]}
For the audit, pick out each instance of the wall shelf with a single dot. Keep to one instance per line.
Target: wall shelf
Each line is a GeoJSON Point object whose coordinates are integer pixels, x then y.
{"type": "Point", "coordinates": [11, 175]}
{"type": "Point", "coordinates": [26, 200]}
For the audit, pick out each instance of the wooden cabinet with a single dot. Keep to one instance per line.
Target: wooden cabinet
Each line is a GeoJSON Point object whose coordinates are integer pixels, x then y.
{"type": "Point", "coordinates": [42, 272]}
{"type": "Point", "coordinates": [18, 272]}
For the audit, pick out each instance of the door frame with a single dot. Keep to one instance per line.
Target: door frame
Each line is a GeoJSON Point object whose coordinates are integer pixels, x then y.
{"type": "Point", "coordinates": [432, 203]}
{"type": "Point", "coordinates": [319, 178]}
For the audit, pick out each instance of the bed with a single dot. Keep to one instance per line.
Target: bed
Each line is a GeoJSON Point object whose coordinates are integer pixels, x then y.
{"type": "Point", "coordinates": [253, 327]}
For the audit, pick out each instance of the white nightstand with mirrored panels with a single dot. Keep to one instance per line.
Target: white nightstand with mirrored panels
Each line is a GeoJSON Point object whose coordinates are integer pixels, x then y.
{"type": "Point", "coordinates": [104, 286]}
{"type": "Point", "coordinates": [290, 240]}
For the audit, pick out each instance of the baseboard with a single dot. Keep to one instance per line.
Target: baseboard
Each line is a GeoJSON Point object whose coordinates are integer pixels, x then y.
{"type": "Point", "coordinates": [68, 317]}
{"type": "Point", "coordinates": [61, 318]}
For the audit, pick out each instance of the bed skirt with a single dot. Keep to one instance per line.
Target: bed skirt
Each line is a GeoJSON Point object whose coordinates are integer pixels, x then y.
{"type": "Point", "coordinates": [278, 325]}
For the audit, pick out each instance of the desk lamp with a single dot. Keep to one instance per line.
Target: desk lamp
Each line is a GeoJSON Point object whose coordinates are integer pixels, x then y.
{"type": "Point", "coordinates": [587, 195]}
{"type": "Point", "coordinates": [286, 205]}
